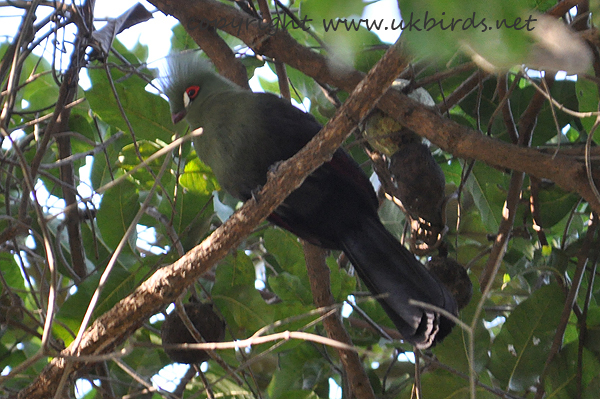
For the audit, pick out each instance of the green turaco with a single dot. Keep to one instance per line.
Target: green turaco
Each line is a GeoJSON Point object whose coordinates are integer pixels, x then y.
{"type": "Point", "coordinates": [245, 133]}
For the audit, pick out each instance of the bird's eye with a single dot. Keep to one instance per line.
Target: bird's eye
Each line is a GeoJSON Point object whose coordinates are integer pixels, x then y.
{"type": "Point", "coordinates": [190, 93]}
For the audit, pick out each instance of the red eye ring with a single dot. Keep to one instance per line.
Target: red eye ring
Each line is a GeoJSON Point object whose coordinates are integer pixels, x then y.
{"type": "Point", "coordinates": [192, 92]}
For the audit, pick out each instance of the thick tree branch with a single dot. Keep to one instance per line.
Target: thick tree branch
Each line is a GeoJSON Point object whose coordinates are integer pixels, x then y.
{"type": "Point", "coordinates": [463, 142]}
{"type": "Point", "coordinates": [165, 285]}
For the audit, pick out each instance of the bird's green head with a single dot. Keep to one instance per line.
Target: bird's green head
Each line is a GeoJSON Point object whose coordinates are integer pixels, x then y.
{"type": "Point", "coordinates": [188, 80]}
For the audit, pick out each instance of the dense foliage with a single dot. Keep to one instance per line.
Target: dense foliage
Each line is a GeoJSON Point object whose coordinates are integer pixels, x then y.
{"type": "Point", "coordinates": [534, 330]}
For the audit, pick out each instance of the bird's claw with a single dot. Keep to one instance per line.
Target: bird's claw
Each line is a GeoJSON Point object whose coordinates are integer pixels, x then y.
{"type": "Point", "coordinates": [255, 194]}
{"type": "Point", "coordinates": [273, 168]}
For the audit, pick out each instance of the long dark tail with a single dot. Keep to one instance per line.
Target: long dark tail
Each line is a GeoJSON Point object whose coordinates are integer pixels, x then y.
{"type": "Point", "coordinates": [386, 267]}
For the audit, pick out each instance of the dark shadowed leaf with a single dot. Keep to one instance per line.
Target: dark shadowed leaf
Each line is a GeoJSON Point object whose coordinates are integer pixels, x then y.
{"type": "Point", "coordinates": [561, 380]}
{"type": "Point", "coordinates": [105, 36]}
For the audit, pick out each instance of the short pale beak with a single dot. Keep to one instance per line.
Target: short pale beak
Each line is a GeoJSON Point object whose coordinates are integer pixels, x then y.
{"type": "Point", "coordinates": [178, 116]}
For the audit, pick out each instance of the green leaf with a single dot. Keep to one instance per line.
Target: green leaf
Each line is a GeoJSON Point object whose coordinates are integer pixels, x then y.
{"type": "Point", "coordinates": [286, 248]}
{"type": "Point", "coordinates": [40, 95]}
{"type": "Point", "coordinates": [235, 296]}
{"type": "Point", "coordinates": [318, 10]}
{"type": "Point", "coordinates": [97, 249]}
{"type": "Point", "coordinates": [592, 334]}
{"type": "Point", "coordinates": [453, 171]}
{"type": "Point", "coordinates": [587, 95]}
{"type": "Point", "coordinates": [243, 308]}
{"type": "Point", "coordinates": [181, 40]}
{"type": "Point", "coordinates": [190, 217]}
{"type": "Point", "coordinates": [129, 159]}
{"type": "Point", "coordinates": [342, 284]}
{"type": "Point", "coordinates": [545, 129]}
{"type": "Point", "coordinates": [301, 394]}
{"type": "Point", "coordinates": [120, 283]}
{"type": "Point", "coordinates": [81, 122]}
{"type": "Point", "coordinates": [487, 188]}
{"type": "Point", "coordinates": [284, 310]}
{"type": "Point", "coordinates": [147, 113]}
{"type": "Point", "coordinates": [11, 273]}
{"type": "Point", "coordinates": [441, 384]}
{"type": "Point", "coordinates": [198, 178]}
{"type": "Point", "coordinates": [555, 204]}
{"type": "Point", "coordinates": [104, 168]}
{"type": "Point", "coordinates": [13, 359]}
{"type": "Point", "coordinates": [235, 271]}
{"type": "Point", "coordinates": [41, 92]}
{"type": "Point", "coordinates": [454, 351]}
{"type": "Point", "coordinates": [374, 310]}
{"type": "Point", "coordinates": [520, 350]}
{"type": "Point", "coordinates": [294, 372]}
{"type": "Point", "coordinates": [338, 23]}
{"type": "Point", "coordinates": [118, 208]}
{"type": "Point", "coordinates": [141, 51]}
{"type": "Point", "coordinates": [392, 218]}
{"type": "Point", "coordinates": [561, 379]}
{"type": "Point", "coordinates": [592, 390]}
{"type": "Point", "coordinates": [221, 385]}
{"type": "Point", "coordinates": [290, 288]}
{"type": "Point", "coordinates": [302, 86]}
{"type": "Point", "coordinates": [439, 29]}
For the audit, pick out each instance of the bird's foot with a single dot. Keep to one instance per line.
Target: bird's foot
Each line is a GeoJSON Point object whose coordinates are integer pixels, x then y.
{"type": "Point", "coordinates": [255, 193]}
{"type": "Point", "coordinates": [273, 168]}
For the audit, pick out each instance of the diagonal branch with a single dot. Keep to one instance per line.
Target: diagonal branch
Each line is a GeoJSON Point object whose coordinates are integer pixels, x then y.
{"type": "Point", "coordinates": [166, 284]}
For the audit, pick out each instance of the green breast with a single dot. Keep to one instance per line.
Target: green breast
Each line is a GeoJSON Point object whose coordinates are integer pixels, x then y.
{"type": "Point", "coordinates": [233, 142]}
